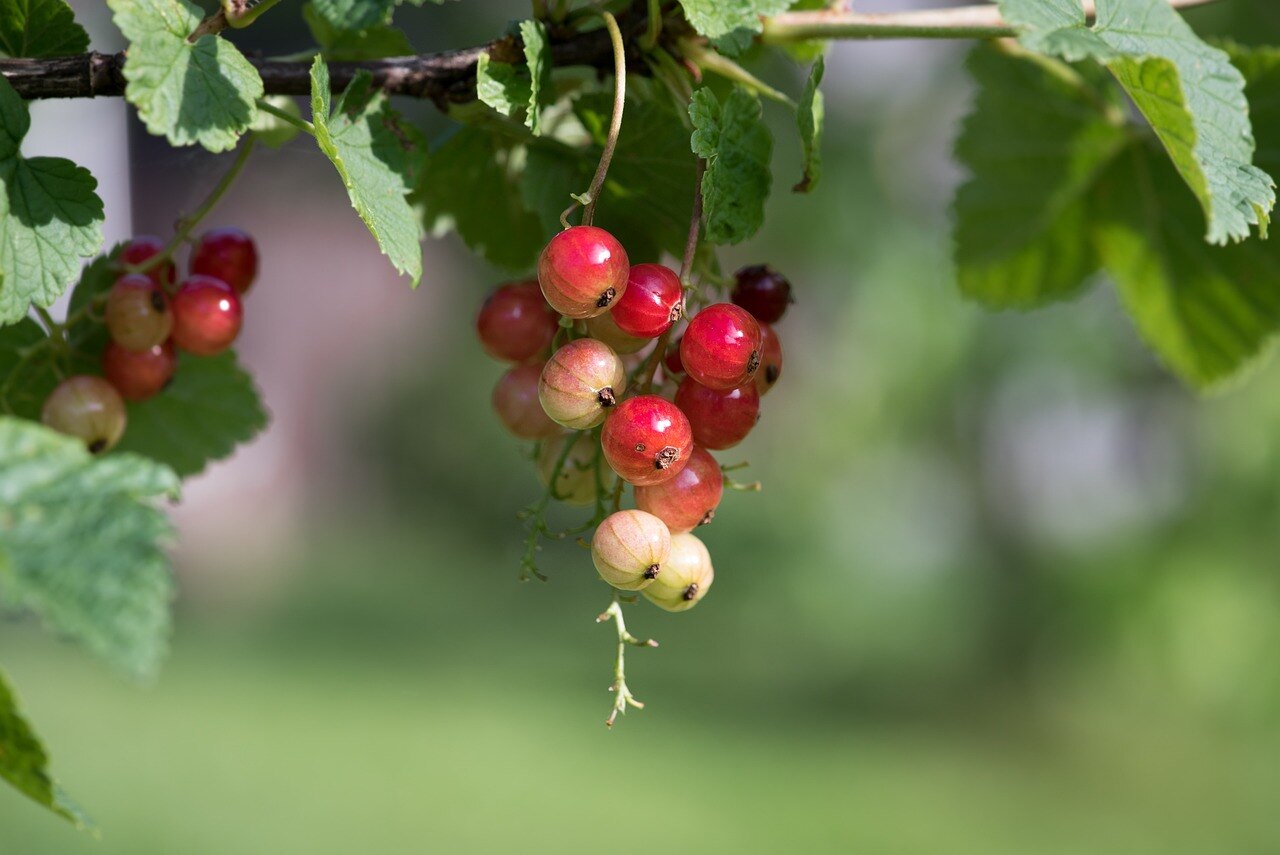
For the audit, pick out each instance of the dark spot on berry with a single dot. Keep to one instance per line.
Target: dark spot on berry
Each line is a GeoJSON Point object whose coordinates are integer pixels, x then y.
{"type": "Point", "coordinates": [606, 298]}
{"type": "Point", "coordinates": [640, 446]}
{"type": "Point", "coordinates": [97, 446]}
{"type": "Point", "coordinates": [651, 572]}
{"type": "Point", "coordinates": [691, 591]}
{"type": "Point", "coordinates": [157, 301]}
{"type": "Point", "coordinates": [606, 397]}
{"type": "Point", "coordinates": [707, 517]}
{"type": "Point", "coordinates": [753, 361]}
{"type": "Point", "coordinates": [771, 374]}
{"type": "Point", "coordinates": [666, 457]}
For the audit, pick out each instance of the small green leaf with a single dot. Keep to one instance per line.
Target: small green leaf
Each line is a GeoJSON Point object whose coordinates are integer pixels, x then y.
{"type": "Point", "coordinates": [809, 118]}
{"type": "Point", "coordinates": [24, 762]}
{"type": "Point", "coordinates": [730, 23]}
{"type": "Point", "coordinates": [372, 42]}
{"type": "Point", "coordinates": [737, 146]}
{"type": "Point", "coordinates": [503, 86]}
{"type": "Point", "coordinates": [40, 28]}
{"type": "Point", "coordinates": [537, 55]}
{"type": "Point", "coordinates": [25, 381]}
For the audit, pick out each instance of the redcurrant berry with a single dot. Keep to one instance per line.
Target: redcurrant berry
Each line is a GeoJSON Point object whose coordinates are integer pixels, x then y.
{"type": "Point", "coordinates": [647, 440]}
{"type": "Point", "coordinates": [515, 323]}
{"type": "Point", "coordinates": [227, 254]}
{"type": "Point", "coordinates": [143, 248]}
{"type": "Point", "coordinates": [688, 500]}
{"type": "Point", "coordinates": [583, 271]}
{"type": "Point", "coordinates": [206, 315]}
{"type": "Point", "coordinates": [720, 418]}
{"type": "Point", "coordinates": [651, 303]}
{"type": "Point", "coordinates": [603, 328]}
{"type": "Point", "coordinates": [137, 313]}
{"type": "Point", "coordinates": [576, 483]}
{"type": "Point", "coordinates": [580, 382]}
{"type": "Point", "coordinates": [762, 291]}
{"type": "Point", "coordinates": [139, 374]}
{"type": "Point", "coordinates": [515, 400]}
{"type": "Point", "coordinates": [770, 359]}
{"type": "Point", "coordinates": [685, 578]}
{"type": "Point", "coordinates": [671, 361]}
{"type": "Point", "coordinates": [629, 549]}
{"type": "Point", "coordinates": [88, 408]}
{"type": "Point", "coordinates": [721, 347]}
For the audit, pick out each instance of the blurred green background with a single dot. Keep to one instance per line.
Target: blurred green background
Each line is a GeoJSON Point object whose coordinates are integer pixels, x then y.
{"type": "Point", "coordinates": [1008, 588]}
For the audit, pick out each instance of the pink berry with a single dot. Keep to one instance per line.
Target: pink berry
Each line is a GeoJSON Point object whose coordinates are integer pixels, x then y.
{"type": "Point", "coordinates": [88, 408]}
{"type": "Point", "coordinates": [227, 254]}
{"type": "Point", "coordinates": [143, 248]}
{"type": "Point", "coordinates": [581, 382]}
{"type": "Point", "coordinates": [137, 375]}
{"type": "Point", "coordinates": [721, 347]}
{"type": "Point", "coordinates": [688, 500]}
{"type": "Point", "coordinates": [770, 359]}
{"type": "Point", "coordinates": [206, 316]}
{"type": "Point", "coordinates": [137, 312]}
{"type": "Point", "coordinates": [515, 324]}
{"type": "Point", "coordinates": [515, 400]}
{"type": "Point", "coordinates": [719, 418]}
{"type": "Point", "coordinates": [651, 303]}
{"type": "Point", "coordinates": [629, 549]}
{"type": "Point", "coordinates": [583, 271]}
{"type": "Point", "coordinates": [647, 440]}
{"type": "Point", "coordinates": [602, 328]}
{"type": "Point", "coordinates": [685, 578]}
{"type": "Point", "coordinates": [762, 291]}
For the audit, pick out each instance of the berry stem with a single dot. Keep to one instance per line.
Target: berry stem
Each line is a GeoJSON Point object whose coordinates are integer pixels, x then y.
{"type": "Point", "coordinates": [622, 695]}
{"type": "Point", "coordinates": [297, 121]}
{"type": "Point", "coordinates": [615, 121]}
{"type": "Point", "coordinates": [649, 40]}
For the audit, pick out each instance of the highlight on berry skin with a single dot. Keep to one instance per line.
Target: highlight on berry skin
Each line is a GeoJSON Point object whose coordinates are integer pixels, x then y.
{"type": "Point", "coordinates": [88, 408]}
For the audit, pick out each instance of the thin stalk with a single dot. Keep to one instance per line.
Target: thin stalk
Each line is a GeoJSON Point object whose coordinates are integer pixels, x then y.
{"type": "Point", "coordinates": [649, 40]}
{"type": "Point", "coordinates": [615, 121]}
{"type": "Point", "coordinates": [298, 122]}
{"type": "Point", "coordinates": [622, 695]}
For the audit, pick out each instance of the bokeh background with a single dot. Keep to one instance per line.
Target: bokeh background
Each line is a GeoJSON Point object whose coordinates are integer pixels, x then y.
{"type": "Point", "coordinates": [1008, 588]}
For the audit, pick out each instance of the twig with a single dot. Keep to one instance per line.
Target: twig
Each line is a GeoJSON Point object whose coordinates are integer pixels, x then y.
{"type": "Point", "coordinates": [622, 695]}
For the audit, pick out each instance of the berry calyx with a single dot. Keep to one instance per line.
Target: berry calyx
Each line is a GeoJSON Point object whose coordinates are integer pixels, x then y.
{"type": "Point", "coordinates": [576, 483]}
{"type": "Point", "coordinates": [647, 440]}
{"type": "Point", "coordinates": [762, 291]}
{"type": "Point", "coordinates": [603, 328]}
{"type": "Point", "coordinates": [685, 578]}
{"type": "Point", "coordinates": [138, 315]}
{"type": "Point", "coordinates": [630, 548]}
{"type": "Point", "coordinates": [688, 500]}
{"type": "Point", "coordinates": [88, 408]}
{"type": "Point", "coordinates": [719, 418]}
{"type": "Point", "coordinates": [138, 374]}
{"type": "Point", "coordinates": [515, 324]}
{"type": "Point", "coordinates": [651, 303]}
{"type": "Point", "coordinates": [228, 254]}
{"type": "Point", "coordinates": [141, 249]}
{"type": "Point", "coordinates": [206, 315]}
{"type": "Point", "coordinates": [583, 271]}
{"type": "Point", "coordinates": [721, 347]}
{"type": "Point", "coordinates": [581, 382]}
{"type": "Point", "coordinates": [515, 400]}
{"type": "Point", "coordinates": [770, 359]}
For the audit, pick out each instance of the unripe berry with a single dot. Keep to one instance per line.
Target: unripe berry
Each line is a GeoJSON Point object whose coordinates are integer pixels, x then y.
{"type": "Point", "coordinates": [144, 247]}
{"type": "Point", "coordinates": [685, 578]}
{"type": "Point", "coordinates": [206, 316]}
{"type": "Point", "coordinates": [576, 483]}
{"type": "Point", "coordinates": [630, 548]}
{"type": "Point", "coordinates": [770, 359]}
{"type": "Point", "coordinates": [688, 500]}
{"type": "Point", "coordinates": [583, 271]}
{"type": "Point", "coordinates": [227, 254]}
{"type": "Point", "coordinates": [651, 303]}
{"type": "Point", "coordinates": [719, 418]}
{"type": "Point", "coordinates": [137, 312]}
{"type": "Point", "coordinates": [721, 347]}
{"type": "Point", "coordinates": [137, 375]}
{"type": "Point", "coordinates": [602, 328]}
{"type": "Point", "coordinates": [88, 408]}
{"type": "Point", "coordinates": [515, 400]}
{"type": "Point", "coordinates": [515, 324]}
{"type": "Point", "coordinates": [581, 382]}
{"type": "Point", "coordinates": [762, 291]}
{"type": "Point", "coordinates": [647, 440]}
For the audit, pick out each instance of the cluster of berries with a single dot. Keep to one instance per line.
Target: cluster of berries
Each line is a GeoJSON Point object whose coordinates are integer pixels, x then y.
{"type": "Point", "coordinates": [594, 328]}
{"type": "Point", "coordinates": [149, 316]}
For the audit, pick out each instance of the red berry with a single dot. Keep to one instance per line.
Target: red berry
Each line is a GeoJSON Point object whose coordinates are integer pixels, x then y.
{"type": "Point", "coordinates": [582, 271]}
{"type": "Point", "coordinates": [671, 362]}
{"type": "Point", "coordinates": [719, 418]}
{"type": "Point", "coordinates": [721, 347]}
{"type": "Point", "coordinates": [770, 359]}
{"type": "Point", "coordinates": [602, 328]}
{"type": "Point", "coordinates": [515, 324]}
{"type": "Point", "coordinates": [88, 408]}
{"type": "Point", "coordinates": [206, 316]}
{"type": "Point", "coordinates": [688, 500]}
{"type": "Point", "coordinates": [580, 382]}
{"type": "Point", "coordinates": [647, 440]}
{"type": "Point", "coordinates": [137, 313]}
{"type": "Point", "coordinates": [651, 303]}
{"type": "Point", "coordinates": [144, 247]}
{"type": "Point", "coordinates": [762, 291]}
{"type": "Point", "coordinates": [515, 400]}
{"type": "Point", "coordinates": [227, 254]}
{"type": "Point", "coordinates": [137, 375]}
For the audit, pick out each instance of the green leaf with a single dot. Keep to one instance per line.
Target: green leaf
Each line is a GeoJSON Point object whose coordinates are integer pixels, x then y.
{"type": "Point", "coordinates": [23, 761]}
{"type": "Point", "coordinates": [809, 118]}
{"type": "Point", "coordinates": [40, 28]}
{"type": "Point", "coordinates": [83, 541]}
{"type": "Point", "coordinates": [372, 42]}
{"type": "Point", "coordinates": [1035, 143]}
{"type": "Point", "coordinates": [354, 14]}
{"type": "Point", "coordinates": [736, 145]}
{"type": "Point", "coordinates": [24, 382]}
{"type": "Point", "coordinates": [188, 93]}
{"type": "Point", "coordinates": [537, 56]}
{"type": "Point", "coordinates": [503, 86]}
{"type": "Point", "coordinates": [730, 23]}
{"type": "Point", "coordinates": [368, 146]}
{"type": "Point", "coordinates": [50, 217]}
{"type": "Point", "coordinates": [1189, 92]}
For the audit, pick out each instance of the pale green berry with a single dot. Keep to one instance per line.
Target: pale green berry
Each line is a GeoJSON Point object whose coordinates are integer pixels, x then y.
{"type": "Point", "coordinates": [630, 549]}
{"type": "Point", "coordinates": [576, 484]}
{"type": "Point", "coordinates": [580, 382]}
{"type": "Point", "coordinates": [685, 578]}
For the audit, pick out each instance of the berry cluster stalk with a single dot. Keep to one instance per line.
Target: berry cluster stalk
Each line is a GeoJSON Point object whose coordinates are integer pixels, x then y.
{"type": "Point", "coordinates": [622, 695]}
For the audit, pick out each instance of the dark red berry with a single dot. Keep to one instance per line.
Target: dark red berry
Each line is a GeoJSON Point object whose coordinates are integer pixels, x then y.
{"type": "Point", "coordinates": [144, 247]}
{"type": "Point", "coordinates": [137, 375]}
{"type": "Point", "coordinates": [583, 271]}
{"type": "Point", "coordinates": [719, 418]}
{"type": "Point", "coordinates": [688, 500]}
{"type": "Point", "coordinates": [770, 359]}
{"type": "Point", "coordinates": [227, 254]}
{"type": "Point", "coordinates": [647, 440]}
{"type": "Point", "coordinates": [721, 347]}
{"type": "Point", "coordinates": [515, 323]}
{"type": "Point", "coordinates": [206, 315]}
{"type": "Point", "coordinates": [762, 291]}
{"type": "Point", "coordinates": [651, 303]}
{"type": "Point", "coordinates": [137, 312]}
{"type": "Point", "coordinates": [88, 408]}
{"type": "Point", "coordinates": [515, 400]}
{"type": "Point", "coordinates": [671, 362]}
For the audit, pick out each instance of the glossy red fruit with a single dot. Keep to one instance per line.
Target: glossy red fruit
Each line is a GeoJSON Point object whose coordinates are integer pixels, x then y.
{"type": "Point", "coordinates": [583, 271]}
{"type": "Point", "coordinates": [137, 375]}
{"type": "Point", "coordinates": [227, 254]}
{"type": "Point", "coordinates": [770, 359]}
{"type": "Point", "coordinates": [602, 328]}
{"type": "Point", "coordinates": [762, 291]}
{"type": "Point", "coordinates": [719, 418]}
{"type": "Point", "coordinates": [647, 440]}
{"type": "Point", "coordinates": [206, 316]}
{"type": "Point", "coordinates": [515, 323]}
{"type": "Point", "coordinates": [651, 303]}
{"type": "Point", "coordinates": [138, 315]}
{"type": "Point", "coordinates": [581, 382]}
{"type": "Point", "coordinates": [721, 347]}
{"type": "Point", "coordinates": [688, 500]}
{"type": "Point", "coordinates": [515, 400]}
{"type": "Point", "coordinates": [144, 247]}
{"type": "Point", "coordinates": [88, 408]}
{"type": "Point", "coordinates": [671, 361]}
